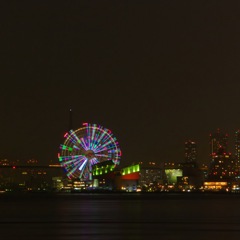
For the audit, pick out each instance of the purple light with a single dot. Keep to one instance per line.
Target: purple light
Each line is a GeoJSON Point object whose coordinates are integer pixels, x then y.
{"type": "Point", "coordinates": [76, 156]}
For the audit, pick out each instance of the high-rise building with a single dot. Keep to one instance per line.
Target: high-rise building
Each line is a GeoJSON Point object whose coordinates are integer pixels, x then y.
{"type": "Point", "coordinates": [237, 145]}
{"type": "Point", "coordinates": [218, 142]}
{"type": "Point", "coordinates": [222, 166]}
{"type": "Point", "coordinates": [237, 152]}
{"type": "Point", "coordinates": [190, 151]}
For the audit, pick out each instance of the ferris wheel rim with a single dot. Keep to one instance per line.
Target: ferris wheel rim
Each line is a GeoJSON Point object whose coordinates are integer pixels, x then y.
{"type": "Point", "coordinates": [83, 162]}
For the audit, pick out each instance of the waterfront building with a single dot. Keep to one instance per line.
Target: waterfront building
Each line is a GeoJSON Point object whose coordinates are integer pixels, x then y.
{"type": "Point", "coordinates": [30, 177]}
{"type": "Point", "coordinates": [150, 174]}
{"type": "Point", "coordinates": [190, 151]}
{"type": "Point", "coordinates": [32, 162]}
{"type": "Point", "coordinates": [130, 178]}
{"type": "Point", "coordinates": [7, 162]}
{"type": "Point", "coordinates": [216, 186]}
{"type": "Point", "coordinates": [172, 175]}
{"type": "Point", "coordinates": [218, 141]}
{"type": "Point", "coordinates": [172, 165]}
{"type": "Point", "coordinates": [237, 144]}
{"type": "Point", "coordinates": [204, 169]}
{"type": "Point", "coordinates": [104, 176]}
{"type": "Point", "coordinates": [237, 149]}
{"type": "Point", "coordinates": [107, 177]}
{"type": "Point", "coordinates": [222, 166]}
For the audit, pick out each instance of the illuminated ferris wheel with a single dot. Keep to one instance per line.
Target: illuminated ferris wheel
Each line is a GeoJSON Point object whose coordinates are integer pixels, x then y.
{"type": "Point", "coordinates": [85, 147]}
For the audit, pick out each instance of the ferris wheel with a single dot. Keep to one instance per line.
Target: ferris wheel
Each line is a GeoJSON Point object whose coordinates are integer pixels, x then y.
{"type": "Point", "coordinates": [85, 147]}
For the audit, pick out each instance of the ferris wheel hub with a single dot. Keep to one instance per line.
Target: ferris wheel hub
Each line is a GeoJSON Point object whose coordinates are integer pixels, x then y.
{"type": "Point", "coordinates": [89, 154]}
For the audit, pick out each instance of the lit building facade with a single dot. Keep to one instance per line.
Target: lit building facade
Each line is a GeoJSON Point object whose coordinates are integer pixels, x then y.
{"type": "Point", "coordinates": [237, 146]}
{"type": "Point", "coordinates": [172, 175]}
{"type": "Point", "coordinates": [190, 151]}
{"type": "Point", "coordinates": [30, 178]}
{"type": "Point", "coordinates": [150, 174]}
{"type": "Point", "coordinates": [218, 141]}
{"type": "Point", "coordinates": [130, 178]}
{"type": "Point", "coordinates": [216, 186]}
{"type": "Point", "coordinates": [104, 176]}
{"type": "Point", "coordinates": [107, 177]}
{"type": "Point", "coordinates": [222, 166]}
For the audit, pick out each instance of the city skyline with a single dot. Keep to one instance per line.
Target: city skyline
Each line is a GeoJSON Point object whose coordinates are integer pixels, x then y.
{"type": "Point", "coordinates": [190, 150]}
{"type": "Point", "coordinates": [156, 74]}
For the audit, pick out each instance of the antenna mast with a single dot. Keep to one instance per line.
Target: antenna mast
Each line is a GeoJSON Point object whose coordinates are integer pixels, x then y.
{"type": "Point", "coordinates": [70, 120]}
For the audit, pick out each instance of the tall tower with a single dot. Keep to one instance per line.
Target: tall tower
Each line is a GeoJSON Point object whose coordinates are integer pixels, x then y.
{"type": "Point", "coordinates": [190, 152]}
{"type": "Point", "coordinates": [222, 165]}
{"type": "Point", "coordinates": [70, 120]}
{"type": "Point", "coordinates": [237, 146]}
{"type": "Point", "coordinates": [218, 142]}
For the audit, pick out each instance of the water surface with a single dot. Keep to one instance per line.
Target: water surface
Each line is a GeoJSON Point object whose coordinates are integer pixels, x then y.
{"type": "Point", "coordinates": [119, 216]}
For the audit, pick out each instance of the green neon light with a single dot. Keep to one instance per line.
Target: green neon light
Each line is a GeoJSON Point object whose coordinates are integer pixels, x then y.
{"type": "Point", "coordinates": [172, 174]}
{"type": "Point", "coordinates": [131, 169]}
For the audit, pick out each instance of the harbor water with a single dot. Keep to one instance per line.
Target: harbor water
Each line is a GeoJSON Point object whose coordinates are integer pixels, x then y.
{"type": "Point", "coordinates": [119, 216]}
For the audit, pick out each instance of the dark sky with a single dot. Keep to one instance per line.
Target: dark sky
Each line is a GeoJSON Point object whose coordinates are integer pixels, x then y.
{"type": "Point", "coordinates": [156, 73]}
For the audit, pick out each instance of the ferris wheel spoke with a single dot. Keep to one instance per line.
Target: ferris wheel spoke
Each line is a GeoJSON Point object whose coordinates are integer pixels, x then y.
{"type": "Point", "coordinates": [83, 168]}
{"type": "Point", "coordinates": [88, 136]}
{"type": "Point", "coordinates": [94, 161]}
{"type": "Point", "coordinates": [100, 150]}
{"type": "Point", "coordinates": [93, 136]}
{"type": "Point", "coordinates": [96, 140]}
{"type": "Point", "coordinates": [64, 147]}
{"type": "Point", "coordinates": [83, 143]}
{"type": "Point", "coordinates": [107, 141]}
{"type": "Point", "coordinates": [72, 161]}
{"type": "Point", "coordinates": [99, 139]}
{"type": "Point", "coordinates": [102, 147]}
{"type": "Point", "coordinates": [83, 163]}
{"type": "Point", "coordinates": [76, 147]}
{"type": "Point", "coordinates": [66, 164]}
{"type": "Point", "coordinates": [73, 170]}
{"type": "Point", "coordinates": [70, 138]}
{"type": "Point", "coordinates": [70, 157]}
{"type": "Point", "coordinates": [86, 142]}
{"type": "Point", "coordinates": [107, 138]}
{"type": "Point", "coordinates": [101, 155]}
{"type": "Point", "coordinates": [77, 139]}
{"type": "Point", "coordinates": [108, 145]}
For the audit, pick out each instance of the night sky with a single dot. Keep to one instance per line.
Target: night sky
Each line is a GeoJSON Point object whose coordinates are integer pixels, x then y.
{"type": "Point", "coordinates": [156, 73]}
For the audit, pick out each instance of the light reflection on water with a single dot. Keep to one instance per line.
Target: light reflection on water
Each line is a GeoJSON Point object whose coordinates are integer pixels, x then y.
{"type": "Point", "coordinates": [120, 216]}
